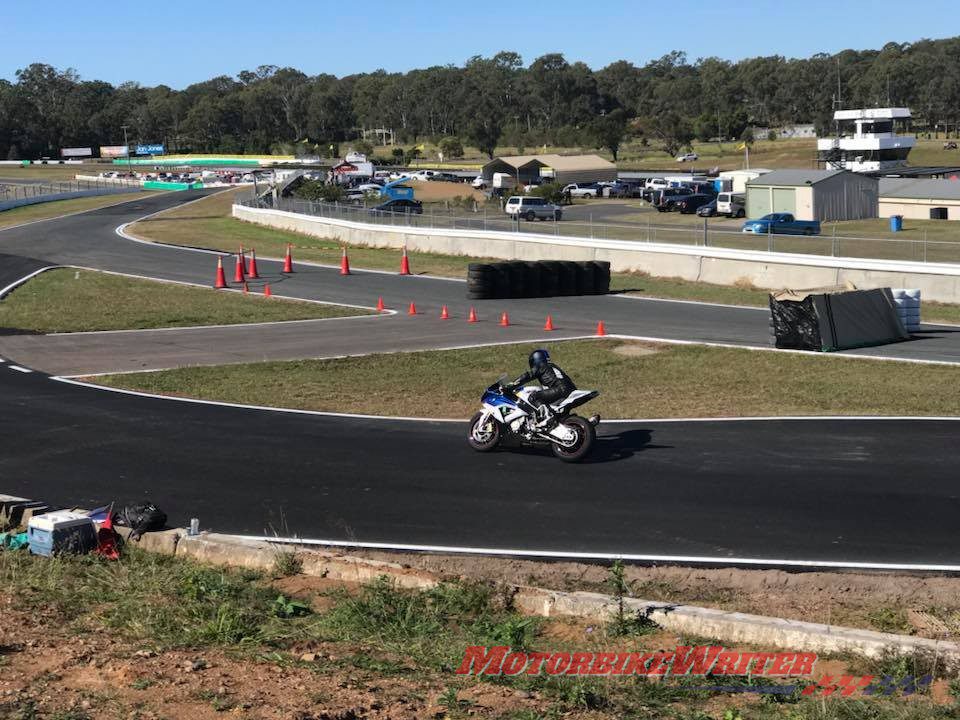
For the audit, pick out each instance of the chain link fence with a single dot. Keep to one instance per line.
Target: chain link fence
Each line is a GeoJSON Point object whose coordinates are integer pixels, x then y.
{"type": "Point", "coordinates": [453, 218]}
{"type": "Point", "coordinates": [15, 192]}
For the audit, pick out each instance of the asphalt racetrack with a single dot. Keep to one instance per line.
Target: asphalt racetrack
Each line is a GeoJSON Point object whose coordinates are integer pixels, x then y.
{"type": "Point", "coordinates": [833, 491]}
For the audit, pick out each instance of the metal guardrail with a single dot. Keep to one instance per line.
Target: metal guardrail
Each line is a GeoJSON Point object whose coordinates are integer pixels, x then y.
{"type": "Point", "coordinates": [926, 251]}
{"type": "Point", "coordinates": [25, 191]}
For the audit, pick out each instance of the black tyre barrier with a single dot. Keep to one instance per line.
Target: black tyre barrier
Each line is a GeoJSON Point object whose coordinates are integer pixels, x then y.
{"type": "Point", "coordinates": [517, 272]}
{"type": "Point", "coordinates": [588, 282]}
{"type": "Point", "coordinates": [543, 278]}
{"type": "Point", "coordinates": [532, 279]}
{"type": "Point", "coordinates": [549, 278]}
{"type": "Point", "coordinates": [601, 271]}
{"type": "Point", "coordinates": [568, 278]}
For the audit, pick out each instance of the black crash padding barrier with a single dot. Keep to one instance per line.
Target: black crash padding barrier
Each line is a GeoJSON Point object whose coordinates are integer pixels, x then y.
{"type": "Point", "coordinates": [542, 278]}
{"type": "Point", "coordinates": [828, 321]}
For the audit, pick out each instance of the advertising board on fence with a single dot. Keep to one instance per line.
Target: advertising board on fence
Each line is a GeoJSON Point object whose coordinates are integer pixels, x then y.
{"type": "Point", "coordinates": [152, 149]}
{"type": "Point", "coordinates": [114, 151]}
{"type": "Point", "coordinates": [76, 152]}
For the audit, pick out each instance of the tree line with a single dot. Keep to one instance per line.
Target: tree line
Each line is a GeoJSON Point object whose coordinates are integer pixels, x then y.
{"type": "Point", "coordinates": [488, 102]}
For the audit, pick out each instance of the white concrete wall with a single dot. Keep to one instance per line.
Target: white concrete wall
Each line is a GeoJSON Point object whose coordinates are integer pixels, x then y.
{"type": "Point", "coordinates": [917, 209]}
{"type": "Point", "coordinates": [20, 202]}
{"type": "Point", "coordinates": [938, 282]}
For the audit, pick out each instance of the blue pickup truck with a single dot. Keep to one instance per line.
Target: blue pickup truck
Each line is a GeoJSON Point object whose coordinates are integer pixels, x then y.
{"type": "Point", "coordinates": [783, 224]}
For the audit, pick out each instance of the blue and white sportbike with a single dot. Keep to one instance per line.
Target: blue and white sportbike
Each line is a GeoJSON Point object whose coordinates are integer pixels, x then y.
{"type": "Point", "coordinates": [570, 436]}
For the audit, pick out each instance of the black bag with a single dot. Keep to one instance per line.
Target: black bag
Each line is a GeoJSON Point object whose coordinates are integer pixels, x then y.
{"type": "Point", "coordinates": [141, 518]}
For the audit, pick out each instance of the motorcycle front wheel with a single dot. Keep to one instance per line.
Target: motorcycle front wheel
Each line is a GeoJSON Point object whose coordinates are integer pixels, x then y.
{"type": "Point", "coordinates": [578, 449]}
{"type": "Point", "coordinates": [483, 437]}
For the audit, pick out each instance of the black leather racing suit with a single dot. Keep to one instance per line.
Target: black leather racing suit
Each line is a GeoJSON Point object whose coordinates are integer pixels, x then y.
{"type": "Point", "coordinates": [556, 383]}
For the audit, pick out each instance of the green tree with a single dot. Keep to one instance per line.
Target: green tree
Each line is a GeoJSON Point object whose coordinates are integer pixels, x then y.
{"type": "Point", "coordinates": [485, 134]}
{"type": "Point", "coordinates": [451, 147]}
{"type": "Point", "coordinates": [608, 130]}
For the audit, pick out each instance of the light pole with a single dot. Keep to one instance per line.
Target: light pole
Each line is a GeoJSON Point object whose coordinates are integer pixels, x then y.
{"type": "Point", "coordinates": [127, 144]}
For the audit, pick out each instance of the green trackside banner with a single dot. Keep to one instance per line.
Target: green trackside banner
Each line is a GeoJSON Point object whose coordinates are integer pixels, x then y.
{"type": "Point", "coordinates": [152, 185]}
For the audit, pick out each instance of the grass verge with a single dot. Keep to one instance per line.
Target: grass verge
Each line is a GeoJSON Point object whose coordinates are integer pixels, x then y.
{"type": "Point", "coordinates": [90, 638]}
{"type": "Point", "coordinates": [56, 208]}
{"type": "Point", "coordinates": [677, 381]}
{"type": "Point", "coordinates": [67, 300]}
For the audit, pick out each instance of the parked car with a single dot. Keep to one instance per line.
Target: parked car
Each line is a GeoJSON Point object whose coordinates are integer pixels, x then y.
{"type": "Point", "coordinates": [531, 208]}
{"type": "Point", "coordinates": [731, 205]}
{"type": "Point", "coordinates": [409, 207]}
{"type": "Point", "coordinates": [370, 187]}
{"type": "Point", "coordinates": [479, 182]}
{"type": "Point", "coordinates": [708, 209]}
{"type": "Point", "coordinates": [782, 224]}
{"type": "Point", "coordinates": [581, 190]}
{"type": "Point", "coordinates": [691, 203]}
{"type": "Point", "coordinates": [656, 184]}
{"type": "Point", "coordinates": [444, 177]}
{"type": "Point", "coordinates": [422, 175]}
{"type": "Point", "coordinates": [688, 157]}
{"type": "Point", "coordinates": [665, 200]}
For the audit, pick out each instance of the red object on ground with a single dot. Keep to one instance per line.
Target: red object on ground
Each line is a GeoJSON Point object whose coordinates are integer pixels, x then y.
{"type": "Point", "coordinates": [404, 263]}
{"type": "Point", "coordinates": [267, 292]}
{"type": "Point", "coordinates": [238, 271]}
{"type": "Point", "coordinates": [504, 320]}
{"type": "Point", "coordinates": [107, 538]}
{"type": "Point", "coordinates": [288, 261]}
{"type": "Point", "coordinates": [344, 263]}
{"type": "Point", "coordinates": [473, 316]}
{"type": "Point", "coordinates": [549, 323]}
{"type": "Point", "coordinates": [412, 310]}
{"type": "Point", "coordinates": [221, 280]}
{"type": "Point", "coordinates": [253, 265]}
{"type": "Point", "coordinates": [444, 315]}
{"type": "Point", "coordinates": [601, 330]}
{"type": "Point", "coordinates": [380, 305]}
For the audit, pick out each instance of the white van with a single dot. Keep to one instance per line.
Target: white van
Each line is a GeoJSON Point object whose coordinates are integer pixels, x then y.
{"type": "Point", "coordinates": [731, 204]}
{"type": "Point", "coordinates": [657, 184]}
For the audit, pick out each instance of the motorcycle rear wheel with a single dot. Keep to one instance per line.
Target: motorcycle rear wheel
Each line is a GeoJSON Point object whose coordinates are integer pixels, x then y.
{"type": "Point", "coordinates": [586, 434]}
{"type": "Point", "coordinates": [486, 438]}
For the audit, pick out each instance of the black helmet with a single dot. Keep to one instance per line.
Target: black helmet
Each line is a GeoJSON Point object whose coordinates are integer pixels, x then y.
{"type": "Point", "coordinates": [538, 358]}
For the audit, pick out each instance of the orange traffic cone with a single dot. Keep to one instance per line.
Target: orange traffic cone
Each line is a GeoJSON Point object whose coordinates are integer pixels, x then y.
{"type": "Point", "coordinates": [221, 280]}
{"type": "Point", "coordinates": [412, 310]}
{"type": "Point", "coordinates": [549, 323]}
{"type": "Point", "coordinates": [444, 315]}
{"type": "Point", "coordinates": [243, 260]}
{"type": "Point", "coordinates": [238, 271]}
{"type": "Point", "coordinates": [472, 317]}
{"type": "Point", "coordinates": [380, 305]}
{"type": "Point", "coordinates": [404, 263]}
{"type": "Point", "coordinates": [267, 292]}
{"type": "Point", "coordinates": [344, 263]}
{"type": "Point", "coordinates": [601, 330]}
{"type": "Point", "coordinates": [288, 261]}
{"type": "Point", "coordinates": [504, 320]}
{"type": "Point", "coordinates": [252, 271]}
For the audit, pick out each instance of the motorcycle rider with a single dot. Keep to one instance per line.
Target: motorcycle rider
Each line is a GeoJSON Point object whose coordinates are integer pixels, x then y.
{"type": "Point", "coordinates": [555, 386]}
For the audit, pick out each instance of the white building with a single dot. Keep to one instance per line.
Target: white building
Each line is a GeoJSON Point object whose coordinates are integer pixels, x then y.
{"type": "Point", "coordinates": [866, 141]}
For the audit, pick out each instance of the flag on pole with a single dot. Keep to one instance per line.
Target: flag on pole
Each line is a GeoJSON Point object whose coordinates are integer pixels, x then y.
{"type": "Point", "coordinates": [742, 146]}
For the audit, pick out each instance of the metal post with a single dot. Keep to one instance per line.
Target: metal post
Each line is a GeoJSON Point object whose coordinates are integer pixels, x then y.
{"type": "Point", "coordinates": [591, 226]}
{"type": "Point", "coordinates": [769, 237]}
{"type": "Point", "coordinates": [924, 244]}
{"type": "Point", "coordinates": [705, 239]}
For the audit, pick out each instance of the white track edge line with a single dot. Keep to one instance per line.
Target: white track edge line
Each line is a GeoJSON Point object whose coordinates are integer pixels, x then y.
{"type": "Point", "coordinates": [72, 380]}
{"type": "Point", "coordinates": [19, 368]}
{"type": "Point", "coordinates": [17, 283]}
{"type": "Point", "coordinates": [560, 554]}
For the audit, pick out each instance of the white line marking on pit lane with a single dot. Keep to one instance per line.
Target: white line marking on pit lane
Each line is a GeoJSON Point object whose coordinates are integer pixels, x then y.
{"type": "Point", "coordinates": [561, 554]}
{"type": "Point", "coordinates": [20, 369]}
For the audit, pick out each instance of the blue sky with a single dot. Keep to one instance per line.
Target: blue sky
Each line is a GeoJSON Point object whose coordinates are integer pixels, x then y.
{"type": "Point", "coordinates": [177, 42]}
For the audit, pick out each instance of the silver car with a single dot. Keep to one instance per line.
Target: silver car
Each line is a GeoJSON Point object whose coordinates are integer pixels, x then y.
{"type": "Point", "coordinates": [531, 208]}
